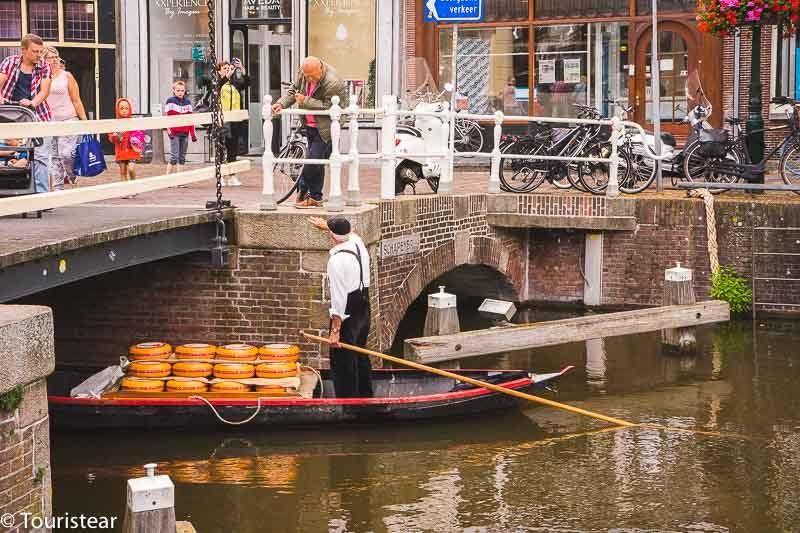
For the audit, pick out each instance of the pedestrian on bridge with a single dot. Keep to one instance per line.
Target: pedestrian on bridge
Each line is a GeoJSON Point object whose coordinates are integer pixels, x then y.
{"type": "Point", "coordinates": [348, 279]}
{"type": "Point", "coordinates": [316, 84]}
{"type": "Point", "coordinates": [232, 81]}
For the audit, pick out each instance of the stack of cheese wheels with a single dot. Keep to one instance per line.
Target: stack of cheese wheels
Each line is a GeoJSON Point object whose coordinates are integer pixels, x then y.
{"type": "Point", "coordinates": [142, 385]}
{"type": "Point", "coordinates": [195, 351]}
{"type": "Point", "coordinates": [279, 361]}
{"type": "Point", "coordinates": [230, 386]}
{"type": "Point", "coordinates": [237, 352]}
{"type": "Point", "coordinates": [192, 369]}
{"type": "Point", "coordinates": [149, 369]}
{"type": "Point", "coordinates": [178, 385]}
{"type": "Point", "coordinates": [148, 351]}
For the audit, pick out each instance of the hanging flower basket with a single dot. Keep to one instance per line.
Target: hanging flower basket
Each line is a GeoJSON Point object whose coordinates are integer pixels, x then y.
{"type": "Point", "coordinates": [722, 17]}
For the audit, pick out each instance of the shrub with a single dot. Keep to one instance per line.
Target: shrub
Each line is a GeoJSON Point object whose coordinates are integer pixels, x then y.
{"type": "Point", "coordinates": [727, 285]}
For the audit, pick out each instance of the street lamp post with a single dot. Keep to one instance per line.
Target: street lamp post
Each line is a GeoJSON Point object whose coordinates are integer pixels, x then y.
{"type": "Point", "coordinates": [755, 122]}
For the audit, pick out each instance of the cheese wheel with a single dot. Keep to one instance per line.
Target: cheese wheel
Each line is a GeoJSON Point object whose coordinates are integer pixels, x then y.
{"type": "Point", "coordinates": [270, 389]}
{"type": "Point", "coordinates": [149, 369]}
{"type": "Point", "coordinates": [192, 369]}
{"type": "Point", "coordinates": [237, 352]}
{"type": "Point", "coordinates": [276, 370]}
{"type": "Point", "coordinates": [142, 385]}
{"type": "Point", "coordinates": [150, 350]}
{"type": "Point", "coordinates": [288, 353]}
{"type": "Point", "coordinates": [233, 371]}
{"type": "Point", "coordinates": [195, 351]}
{"type": "Point", "coordinates": [230, 386]}
{"type": "Point", "coordinates": [175, 385]}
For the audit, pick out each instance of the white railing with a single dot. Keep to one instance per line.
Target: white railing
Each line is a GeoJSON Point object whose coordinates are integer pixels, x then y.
{"type": "Point", "coordinates": [36, 202]}
{"type": "Point", "coordinates": [388, 156]}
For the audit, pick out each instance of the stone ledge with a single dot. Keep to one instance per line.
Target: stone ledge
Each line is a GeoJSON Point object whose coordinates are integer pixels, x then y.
{"type": "Point", "coordinates": [287, 228]}
{"type": "Point", "coordinates": [608, 223]}
{"type": "Point", "coordinates": [27, 351]}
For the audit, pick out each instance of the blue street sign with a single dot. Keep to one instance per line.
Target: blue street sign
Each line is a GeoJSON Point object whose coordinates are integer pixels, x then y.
{"type": "Point", "coordinates": [453, 10]}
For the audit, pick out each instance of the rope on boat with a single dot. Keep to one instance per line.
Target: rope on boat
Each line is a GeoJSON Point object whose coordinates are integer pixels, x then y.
{"type": "Point", "coordinates": [221, 419]}
{"type": "Point", "coordinates": [319, 376]}
{"type": "Point", "coordinates": [711, 227]}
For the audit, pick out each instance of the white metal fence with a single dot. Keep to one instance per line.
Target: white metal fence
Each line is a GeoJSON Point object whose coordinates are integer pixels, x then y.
{"type": "Point", "coordinates": [388, 114]}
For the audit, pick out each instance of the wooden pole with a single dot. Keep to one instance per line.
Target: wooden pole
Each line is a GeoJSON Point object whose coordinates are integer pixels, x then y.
{"type": "Point", "coordinates": [477, 383]}
{"type": "Point", "coordinates": [679, 290]}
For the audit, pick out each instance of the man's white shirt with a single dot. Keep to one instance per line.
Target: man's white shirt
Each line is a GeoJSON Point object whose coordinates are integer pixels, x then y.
{"type": "Point", "coordinates": [343, 273]}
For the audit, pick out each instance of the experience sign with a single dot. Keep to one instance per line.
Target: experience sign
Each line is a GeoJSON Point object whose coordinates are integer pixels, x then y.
{"type": "Point", "coordinates": [453, 11]}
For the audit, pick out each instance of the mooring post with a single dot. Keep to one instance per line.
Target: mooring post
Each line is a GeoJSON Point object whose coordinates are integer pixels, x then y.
{"type": "Point", "coordinates": [150, 504]}
{"type": "Point", "coordinates": [679, 290]}
{"type": "Point", "coordinates": [442, 317]}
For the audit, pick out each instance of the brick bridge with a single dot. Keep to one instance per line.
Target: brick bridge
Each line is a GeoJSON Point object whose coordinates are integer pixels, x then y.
{"type": "Point", "coordinates": [541, 248]}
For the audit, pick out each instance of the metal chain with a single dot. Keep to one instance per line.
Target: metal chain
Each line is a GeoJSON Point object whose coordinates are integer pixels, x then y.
{"type": "Point", "coordinates": [216, 130]}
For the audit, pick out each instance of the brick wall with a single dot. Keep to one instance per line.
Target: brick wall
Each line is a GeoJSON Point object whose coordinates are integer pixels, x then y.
{"type": "Point", "coordinates": [556, 265]}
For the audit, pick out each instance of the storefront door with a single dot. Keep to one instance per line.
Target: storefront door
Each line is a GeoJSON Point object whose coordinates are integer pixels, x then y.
{"type": "Point", "coordinates": [677, 54]}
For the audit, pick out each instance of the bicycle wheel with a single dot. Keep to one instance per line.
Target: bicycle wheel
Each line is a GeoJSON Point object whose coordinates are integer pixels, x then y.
{"type": "Point", "coordinates": [642, 171]}
{"type": "Point", "coordinates": [699, 168]}
{"type": "Point", "coordinates": [521, 175]}
{"type": "Point", "coordinates": [469, 136]}
{"type": "Point", "coordinates": [790, 166]}
{"type": "Point", "coordinates": [285, 175]}
{"type": "Point", "coordinates": [594, 176]}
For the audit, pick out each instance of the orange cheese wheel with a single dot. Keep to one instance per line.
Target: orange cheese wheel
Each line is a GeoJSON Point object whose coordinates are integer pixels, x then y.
{"type": "Point", "coordinates": [233, 371]}
{"type": "Point", "coordinates": [150, 350]}
{"type": "Point", "coordinates": [237, 352]}
{"type": "Point", "coordinates": [270, 389]}
{"type": "Point", "coordinates": [149, 369]}
{"type": "Point", "coordinates": [288, 353]}
{"type": "Point", "coordinates": [195, 351]}
{"type": "Point", "coordinates": [142, 385]}
{"type": "Point", "coordinates": [276, 370]}
{"type": "Point", "coordinates": [175, 385]}
{"type": "Point", "coordinates": [230, 386]}
{"type": "Point", "coordinates": [191, 369]}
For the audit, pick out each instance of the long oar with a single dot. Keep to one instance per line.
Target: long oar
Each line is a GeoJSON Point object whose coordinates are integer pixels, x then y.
{"type": "Point", "coordinates": [477, 382]}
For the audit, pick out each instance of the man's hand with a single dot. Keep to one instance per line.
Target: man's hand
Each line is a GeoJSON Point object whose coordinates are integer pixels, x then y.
{"type": "Point", "coordinates": [334, 338]}
{"type": "Point", "coordinates": [276, 108]}
{"type": "Point", "coordinates": [318, 223]}
{"type": "Point", "coordinates": [299, 98]}
{"type": "Point", "coordinates": [25, 102]}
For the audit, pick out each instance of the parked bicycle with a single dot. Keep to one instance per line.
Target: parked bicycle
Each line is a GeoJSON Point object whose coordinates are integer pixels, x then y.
{"type": "Point", "coordinates": [286, 175]}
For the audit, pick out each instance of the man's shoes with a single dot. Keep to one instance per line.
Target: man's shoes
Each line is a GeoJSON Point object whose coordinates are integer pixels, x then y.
{"type": "Point", "coordinates": [309, 203]}
{"type": "Point", "coordinates": [233, 181]}
{"type": "Point", "coordinates": [302, 196]}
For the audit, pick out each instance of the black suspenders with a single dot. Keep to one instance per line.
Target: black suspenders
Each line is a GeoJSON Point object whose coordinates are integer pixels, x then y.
{"type": "Point", "coordinates": [357, 255]}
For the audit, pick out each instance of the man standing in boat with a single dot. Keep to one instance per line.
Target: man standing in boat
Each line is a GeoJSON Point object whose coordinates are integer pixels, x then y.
{"type": "Point", "coordinates": [348, 279]}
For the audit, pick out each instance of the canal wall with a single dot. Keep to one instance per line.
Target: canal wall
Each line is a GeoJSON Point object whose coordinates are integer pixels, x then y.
{"type": "Point", "coordinates": [27, 357]}
{"type": "Point", "coordinates": [276, 284]}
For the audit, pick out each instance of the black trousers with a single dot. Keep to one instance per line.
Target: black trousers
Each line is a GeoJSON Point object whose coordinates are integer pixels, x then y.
{"type": "Point", "coordinates": [233, 141]}
{"type": "Point", "coordinates": [352, 372]}
{"type": "Point", "coordinates": [312, 180]}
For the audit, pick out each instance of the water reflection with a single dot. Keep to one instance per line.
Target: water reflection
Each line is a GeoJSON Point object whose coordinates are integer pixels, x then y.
{"type": "Point", "coordinates": [535, 470]}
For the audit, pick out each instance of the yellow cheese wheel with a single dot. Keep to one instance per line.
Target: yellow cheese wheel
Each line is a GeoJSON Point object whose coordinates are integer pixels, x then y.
{"type": "Point", "coordinates": [270, 389]}
{"type": "Point", "coordinates": [142, 385]}
{"type": "Point", "coordinates": [175, 385]}
{"type": "Point", "coordinates": [233, 371]}
{"type": "Point", "coordinates": [195, 351]}
{"type": "Point", "coordinates": [237, 352]}
{"type": "Point", "coordinates": [192, 369]}
{"type": "Point", "coordinates": [288, 353]}
{"type": "Point", "coordinates": [276, 370]}
{"type": "Point", "coordinates": [150, 350]}
{"type": "Point", "coordinates": [230, 386]}
{"type": "Point", "coordinates": [149, 369]}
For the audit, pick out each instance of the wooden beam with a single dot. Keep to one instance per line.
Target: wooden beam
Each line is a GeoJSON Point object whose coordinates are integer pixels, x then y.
{"type": "Point", "coordinates": [506, 339]}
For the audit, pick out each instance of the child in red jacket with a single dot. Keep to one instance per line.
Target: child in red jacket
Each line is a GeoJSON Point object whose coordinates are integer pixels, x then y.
{"type": "Point", "coordinates": [128, 145]}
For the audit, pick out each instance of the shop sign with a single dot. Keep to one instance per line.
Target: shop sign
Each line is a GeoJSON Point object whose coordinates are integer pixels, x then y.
{"type": "Point", "coordinates": [453, 10]}
{"type": "Point", "coordinates": [181, 8]}
{"type": "Point", "coordinates": [263, 9]}
{"type": "Point", "coordinates": [400, 246]}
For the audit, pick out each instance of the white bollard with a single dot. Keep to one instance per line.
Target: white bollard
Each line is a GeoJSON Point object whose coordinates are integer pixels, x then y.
{"type": "Point", "coordinates": [617, 130]}
{"type": "Point", "coordinates": [268, 159]}
{"type": "Point", "coordinates": [494, 176]}
{"type": "Point", "coordinates": [388, 132]}
{"type": "Point", "coordinates": [353, 189]}
{"type": "Point", "coordinates": [446, 180]}
{"type": "Point", "coordinates": [335, 201]}
{"type": "Point", "coordinates": [150, 504]}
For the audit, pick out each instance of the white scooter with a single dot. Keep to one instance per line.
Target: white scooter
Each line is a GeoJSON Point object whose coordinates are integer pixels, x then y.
{"type": "Point", "coordinates": [425, 135]}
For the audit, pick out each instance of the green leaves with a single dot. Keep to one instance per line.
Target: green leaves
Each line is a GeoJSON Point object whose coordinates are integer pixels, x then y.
{"type": "Point", "coordinates": [727, 285]}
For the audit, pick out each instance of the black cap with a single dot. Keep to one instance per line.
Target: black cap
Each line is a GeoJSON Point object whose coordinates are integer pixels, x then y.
{"type": "Point", "coordinates": [339, 225]}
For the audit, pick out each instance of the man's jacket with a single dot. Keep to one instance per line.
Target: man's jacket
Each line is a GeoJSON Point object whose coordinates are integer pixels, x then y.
{"type": "Point", "coordinates": [328, 86]}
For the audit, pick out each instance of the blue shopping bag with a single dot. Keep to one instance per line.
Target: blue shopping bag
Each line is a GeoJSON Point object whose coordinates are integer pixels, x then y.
{"type": "Point", "coordinates": [89, 158]}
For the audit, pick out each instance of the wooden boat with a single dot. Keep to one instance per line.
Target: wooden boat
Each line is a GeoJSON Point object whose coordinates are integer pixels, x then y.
{"type": "Point", "coordinates": [400, 394]}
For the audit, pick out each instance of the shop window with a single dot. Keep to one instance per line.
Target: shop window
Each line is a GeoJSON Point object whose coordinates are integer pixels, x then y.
{"type": "Point", "coordinates": [562, 69]}
{"type": "Point", "coordinates": [343, 35]}
{"type": "Point", "coordinates": [491, 66]}
{"type": "Point", "coordinates": [785, 76]}
{"type": "Point", "coordinates": [609, 56]}
{"type": "Point", "coordinates": [43, 17]}
{"type": "Point", "coordinates": [644, 7]}
{"type": "Point", "coordinates": [79, 21]}
{"type": "Point", "coordinates": [580, 8]}
{"type": "Point", "coordinates": [505, 10]}
{"type": "Point", "coordinates": [673, 56]}
{"type": "Point", "coordinates": [10, 21]}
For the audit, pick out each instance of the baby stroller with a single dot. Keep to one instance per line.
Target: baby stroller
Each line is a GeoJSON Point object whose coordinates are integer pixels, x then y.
{"type": "Point", "coordinates": [17, 179]}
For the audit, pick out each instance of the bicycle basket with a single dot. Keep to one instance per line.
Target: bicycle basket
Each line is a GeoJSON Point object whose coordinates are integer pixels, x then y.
{"type": "Point", "coordinates": [713, 143]}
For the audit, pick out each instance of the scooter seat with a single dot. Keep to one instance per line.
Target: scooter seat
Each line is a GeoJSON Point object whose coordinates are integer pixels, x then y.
{"type": "Point", "coordinates": [669, 139]}
{"type": "Point", "coordinates": [410, 130]}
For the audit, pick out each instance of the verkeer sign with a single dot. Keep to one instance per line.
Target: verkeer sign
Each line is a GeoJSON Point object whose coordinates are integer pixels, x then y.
{"type": "Point", "coordinates": [453, 11]}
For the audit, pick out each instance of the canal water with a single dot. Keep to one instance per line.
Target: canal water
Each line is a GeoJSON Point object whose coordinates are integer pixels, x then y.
{"type": "Point", "coordinates": [534, 470]}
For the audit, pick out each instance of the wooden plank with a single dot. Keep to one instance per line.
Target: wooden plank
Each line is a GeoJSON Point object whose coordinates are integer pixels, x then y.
{"type": "Point", "coordinates": [496, 340]}
{"type": "Point", "coordinates": [738, 186]}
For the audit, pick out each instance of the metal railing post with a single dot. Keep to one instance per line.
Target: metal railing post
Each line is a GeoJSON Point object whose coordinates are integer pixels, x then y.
{"type": "Point", "coordinates": [617, 130]}
{"type": "Point", "coordinates": [267, 160]}
{"type": "Point", "coordinates": [353, 189]}
{"type": "Point", "coordinates": [335, 201]}
{"type": "Point", "coordinates": [388, 128]}
{"type": "Point", "coordinates": [494, 176]}
{"type": "Point", "coordinates": [446, 179]}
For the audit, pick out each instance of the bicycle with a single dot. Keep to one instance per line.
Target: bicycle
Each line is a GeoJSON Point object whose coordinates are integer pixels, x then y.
{"type": "Point", "coordinates": [286, 175]}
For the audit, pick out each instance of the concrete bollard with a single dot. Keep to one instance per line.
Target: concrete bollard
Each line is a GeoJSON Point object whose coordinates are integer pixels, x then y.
{"type": "Point", "coordinates": [150, 504]}
{"type": "Point", "coordinates": [442, 317]}
{"type": "Point", "coordinates": [679, 290]}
